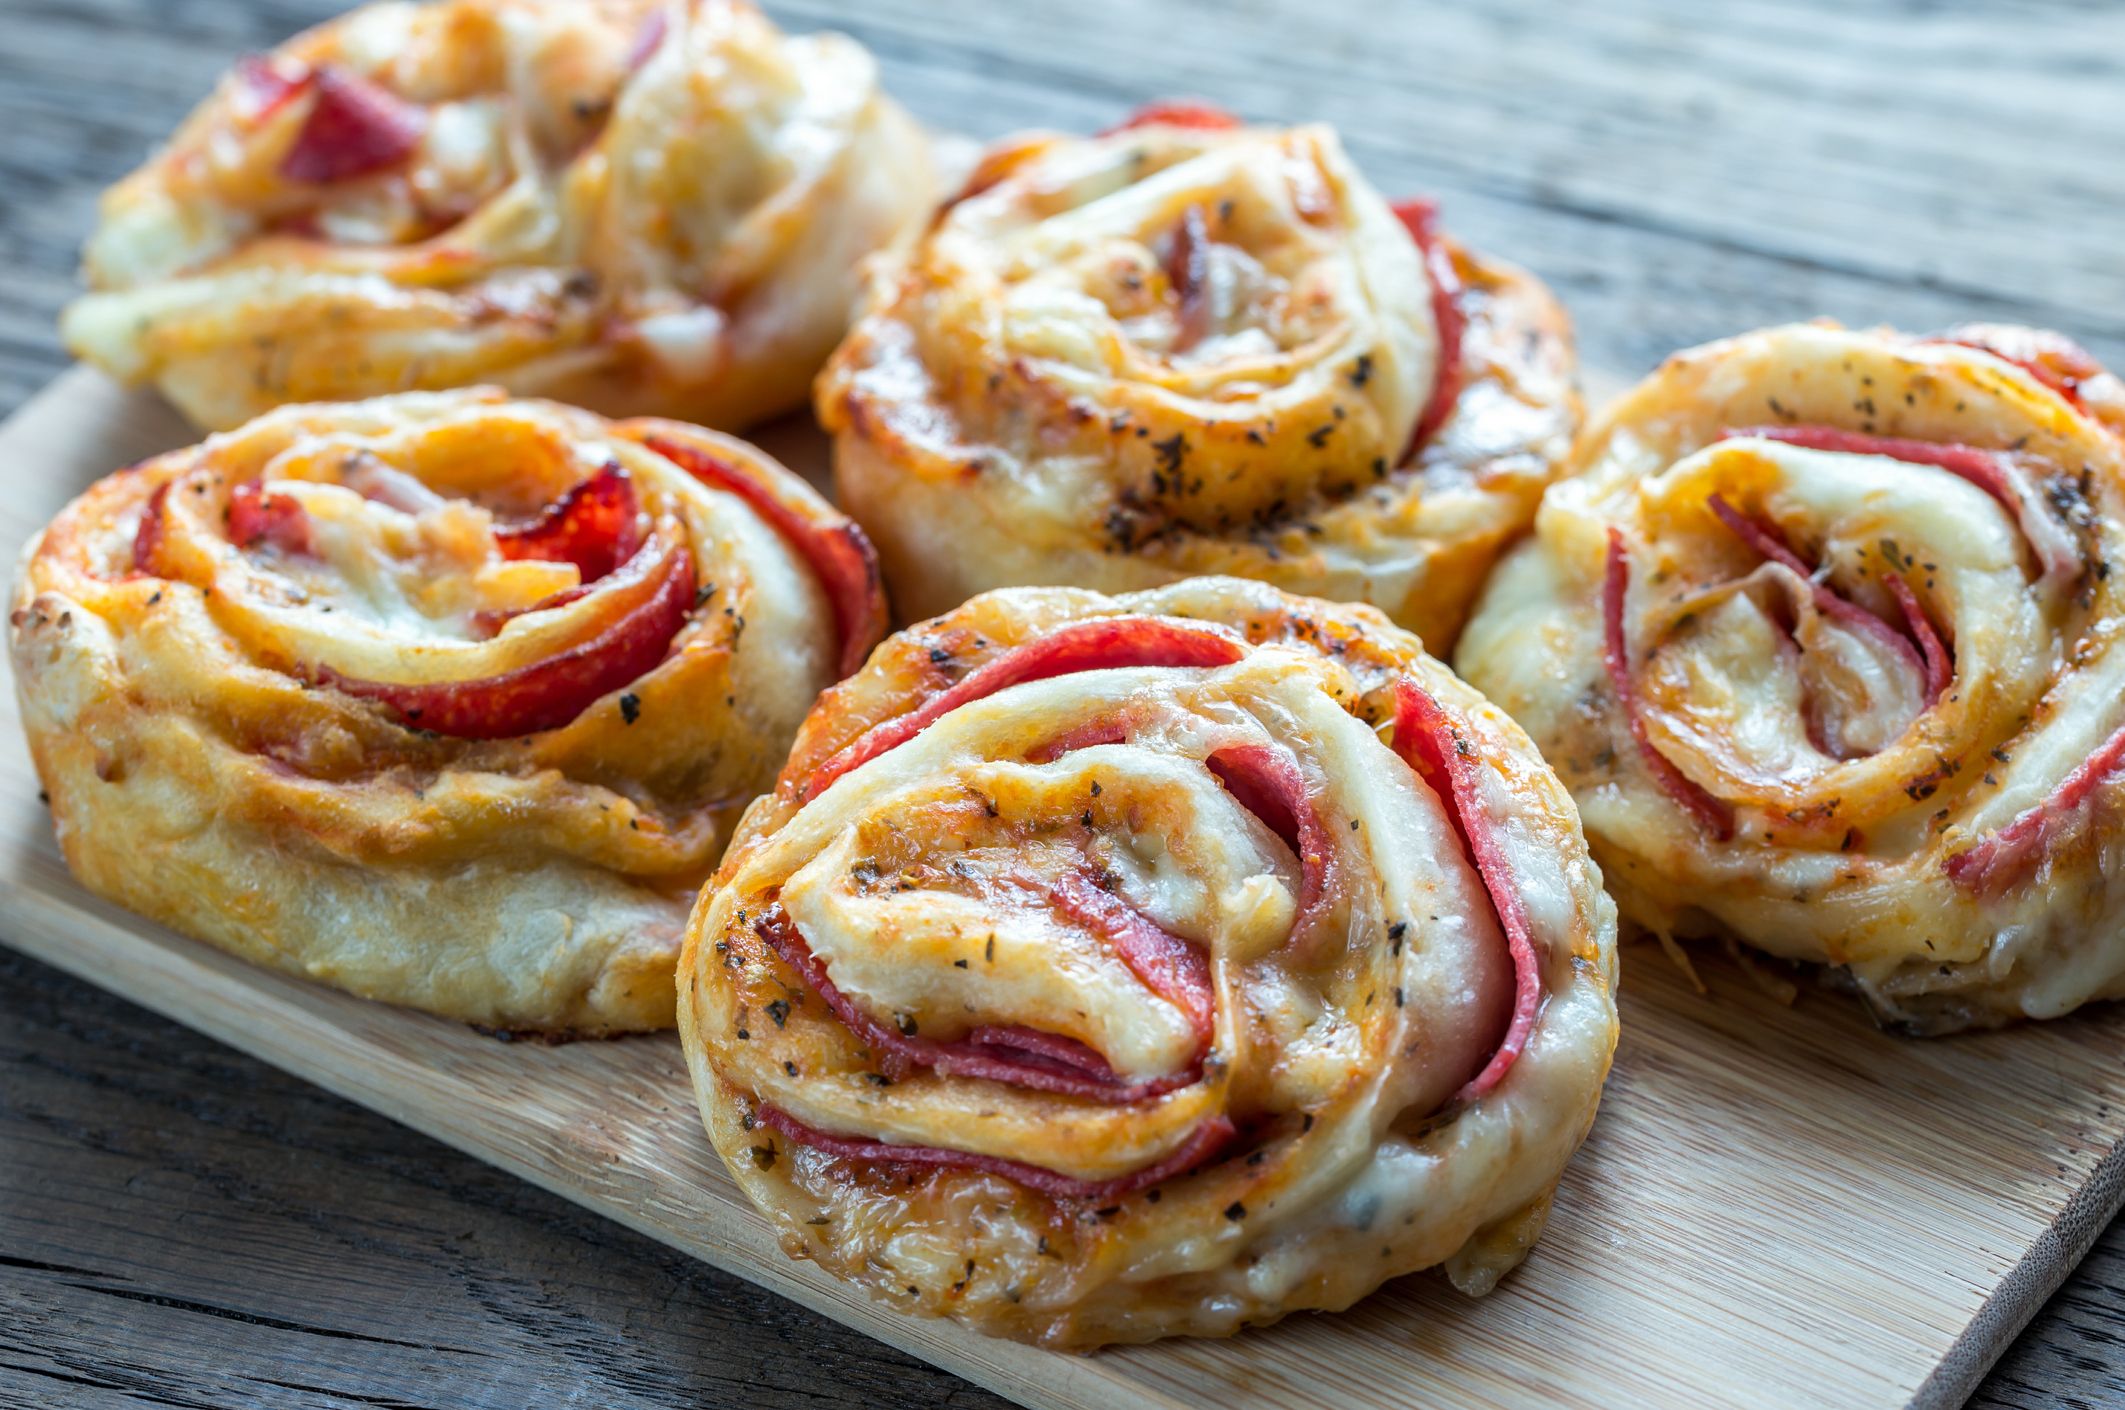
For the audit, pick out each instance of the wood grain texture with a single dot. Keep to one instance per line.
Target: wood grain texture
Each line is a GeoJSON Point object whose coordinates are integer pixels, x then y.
{"type": "Point", "coordinates": [185, 1225]}
{"type": "Point", "coordinates": [1676, 170]}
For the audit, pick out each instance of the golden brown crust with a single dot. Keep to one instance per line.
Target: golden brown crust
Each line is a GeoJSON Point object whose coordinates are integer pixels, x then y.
{"type": "Point", "coordinates": [1039, 392]}
{"type": "Point", "coordinates": [645, 207]}
{"type": "Point", "coordinates": [1352, 1063]}
{"type": "Point", "coordinates": [201, 772]}
{"type": "Point", "coordinates": [1924, 794]}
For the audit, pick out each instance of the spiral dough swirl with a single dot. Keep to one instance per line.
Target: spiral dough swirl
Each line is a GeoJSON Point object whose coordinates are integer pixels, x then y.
{"type": "Point", "coordinates": [1822, 633]}
{"type": "Point", "coordinates": [1190, 346]}
{"type": "Point", "coordinates": [644, 207]}
{"type": "Point", "coordinates": [442, 698]}
{"type": "Point", "coordinates": [1110, 968]}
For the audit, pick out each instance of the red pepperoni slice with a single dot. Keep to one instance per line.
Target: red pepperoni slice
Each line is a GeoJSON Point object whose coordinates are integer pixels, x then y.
{"type": "Point", "coordinates": [1940, 664]}
{"type": "Point", "coordinates": [1421, 218]}
{"type": "Point", "coordinates": [265, 84]}
{"type": "Point", "coordinates": [840, 556]}
{"type": "Point", "coordinates": [1986, 469]}
{"type": "Point", "coordinates": [147, 539]}
{"type": "Point", "coordinates": [1982, 468]}
{"type": "Point", "coordinates": [1204, 117]}
{"type": "Point", "coordinates": [1267, 783]}
{"type": "Point", "coordinates": [1164, 963]}
{"type": "Point", "coordinates": [1931, 668]}
{"type": "Point", "coordinates": [2052, 358]}
{"type": "Point", "coordinates": [1089, 735]}
{"type": "Point", "coordinates": [1017, 1057]}
{"type": "Point", "coordinates": [1711, 814]}
{"type": "Point", "coordinates": [541, 696]}
{"type": "Point", "coordinates": [2002, 858]}
{"type": "Point", "coordinates": [257, 517]}
{"type": "Point", "coordinates": [1263, 780]}
{"type": "Point", "coordinates": [596, 525]}
{"type": "Point", "coordinates": [549, 693]}
{"type": "Point", "coordinates": [1188, 270]}
{"type": "Point", "coordinates": [354, 128]}
{"type": "Point", "coordinates": [1103, 643]}
{"type": "Point", "coordinates": [1031, 1046]}
{"type": "Point", "coordinates": [254, 517]}
{"type": "Point", "coordinates": [1202, 1144]}
{"type": "Point", "coordinates": [1426, 738]}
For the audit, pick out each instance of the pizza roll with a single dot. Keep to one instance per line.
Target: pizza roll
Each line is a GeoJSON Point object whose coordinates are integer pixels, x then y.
{"type": "Point", "coordinates": [1104, 969]}
{"type": "Point", "coordinates": [442, 699]}
{"type": "Point", "coordinates": [1187, 346]}
{"type": "Point", "coordinates": [1820, 633]}
{"type": "Point", "coordinates": [645, 207]}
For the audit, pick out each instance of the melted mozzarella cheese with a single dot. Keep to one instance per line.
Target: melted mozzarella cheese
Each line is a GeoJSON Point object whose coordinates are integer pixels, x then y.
{"type": "Point", "coordinates": [407, 578]}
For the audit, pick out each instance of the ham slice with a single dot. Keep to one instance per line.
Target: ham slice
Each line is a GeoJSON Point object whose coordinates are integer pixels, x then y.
{"type": "Point", "coordinates": [648, 39]}
{"type": "Point", "coordinates": [395, 489]}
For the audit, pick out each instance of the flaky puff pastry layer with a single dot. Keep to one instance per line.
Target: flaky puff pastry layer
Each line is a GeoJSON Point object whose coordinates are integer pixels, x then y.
{"type": "Point", "coordinates": [1823, 633]}
{"type": "Point", "coordinates": [1111, 968]}
{"type": "Point", "coordinates": [1188, 346]}
{"type": "Point", "coordinates": [645, 207]}
{"type": "Point", "coordinates": [442, 699]}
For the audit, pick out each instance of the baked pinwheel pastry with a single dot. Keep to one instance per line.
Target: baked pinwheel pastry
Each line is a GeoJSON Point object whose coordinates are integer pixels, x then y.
{"type": "Point", "coordinates": [1104, 969]}
{"type": "Point", "coordinates": [1189, 346]}
{"type": "Point", "coordinates": [442, 699]}
{"type": "Point", "coordinates": [645, 207]}
{"type": "Point", "coordinates": [1822, 633]}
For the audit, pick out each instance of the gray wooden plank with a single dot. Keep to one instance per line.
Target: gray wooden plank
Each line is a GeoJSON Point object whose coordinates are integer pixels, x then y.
{"type": "Point", "coordinates": [1676, 170]}
{"type": "Point", "coordinates": [180, 1224]}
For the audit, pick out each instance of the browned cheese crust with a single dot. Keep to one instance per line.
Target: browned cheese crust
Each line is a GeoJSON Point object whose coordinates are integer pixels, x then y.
{"type": "Point", "coordinates": [644, 207]}
{"type": "Point", "coordinates": [203, 773]}
{"type": "Point", "coordinates": [1362, 1092]}
{"type": "Point", "coordinates": [1123, 360]}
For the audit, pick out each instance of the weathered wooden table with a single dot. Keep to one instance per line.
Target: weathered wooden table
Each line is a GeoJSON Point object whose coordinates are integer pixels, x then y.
{"type": "Point", "coordinates": [1676, 170]}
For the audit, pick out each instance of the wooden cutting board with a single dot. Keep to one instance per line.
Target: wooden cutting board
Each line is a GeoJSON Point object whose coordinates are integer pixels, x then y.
{"type": "Point", "coordinates": [1779, 1206]}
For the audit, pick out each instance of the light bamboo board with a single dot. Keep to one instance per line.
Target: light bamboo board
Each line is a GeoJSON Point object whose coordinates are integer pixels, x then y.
{"type": "Point", "coordinates": [1779, 1207]}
